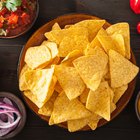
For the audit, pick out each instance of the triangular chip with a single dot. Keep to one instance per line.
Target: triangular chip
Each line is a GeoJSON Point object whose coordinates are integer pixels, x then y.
{"type": "Point", "coordinates": [93, 26]}
{"type": "Point", "coordinates": [70, 81]}
{"type": "Point", "coordinates": [58, 35]}
{"type": "Point", "coordinates": [90, 47]}
{"type": "Point", "coordinates": [52, 47]}
{"type": "Point", "coordinates": [122, 71]}
{"type": "Point", "coordinates": [65, 110]}
{"type": "Point", "coordinates": [56, 26]}
{"type": "Point", "coordinates": [69, 44]}
{"type": "Point", "coordinates": [47, 109]}
{"type": "Point", "coordinates": [67, 61]}
{"type": "Point", "coordinates": [37, 57]}
{"type": "Point", "coordinates": [118, 92]}
{"type": "Point", "coordinates": [41, 83]}
{"type": "Point", "coordinates": [75, 125]}
{"type": "Point", "coordinates": [91, 67]}
{"type": "Point", "coordinates": [123, 29]}
{"type": "Point", "coordinates": [58, 88]}
{"type": "Point", "coordinates": [22, 83]}
{"type": "Point", "coordinates": [106, 41]}
{"type": "Point", "coordinates": [119, 41]}
{"type": "Point", "coordinates": [99, 101]}
{"type": "Point", "coordinates": [33, 98]}
{"type": "Point", "coordinates": [84, 95]}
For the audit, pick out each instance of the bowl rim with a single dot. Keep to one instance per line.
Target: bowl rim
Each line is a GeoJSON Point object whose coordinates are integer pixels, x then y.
{"type": "Point", "coordinates": [28, 27]}
{"type": "Point", "coordinates": [136, 106]}
{"type": "Point", "coordinates": [21, 108]}
{"type": "Point", "coordinates": [62, 125]}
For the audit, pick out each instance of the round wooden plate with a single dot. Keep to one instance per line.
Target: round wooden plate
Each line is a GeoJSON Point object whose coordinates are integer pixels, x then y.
{"type": "Point", "coordinates": [38, 37]}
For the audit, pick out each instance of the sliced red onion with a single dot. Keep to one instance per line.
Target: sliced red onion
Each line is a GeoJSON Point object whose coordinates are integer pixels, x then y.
{"type": "Point", "coordinates": [8, 121]}
{"type": "Point", "coordinates": [7, 101]}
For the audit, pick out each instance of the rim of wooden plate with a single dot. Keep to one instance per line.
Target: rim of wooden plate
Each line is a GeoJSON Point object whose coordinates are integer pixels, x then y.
{"type": "Point", "coordinates": [38, 37]}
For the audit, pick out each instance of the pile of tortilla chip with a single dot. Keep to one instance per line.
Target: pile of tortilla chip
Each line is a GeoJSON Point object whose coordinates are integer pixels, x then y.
{"type": "Point", "coordinates": [79, 73]}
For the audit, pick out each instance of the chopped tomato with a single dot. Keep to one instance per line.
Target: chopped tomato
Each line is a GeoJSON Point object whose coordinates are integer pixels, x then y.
{"type": "Point", "coordinates": [2, 19]}
{"type": "Point", "coordinates": [25, 18]}
{"type": "Point", "coordinates": [12, 19]}
{"type": "Point", "coordinates": [3, 11]}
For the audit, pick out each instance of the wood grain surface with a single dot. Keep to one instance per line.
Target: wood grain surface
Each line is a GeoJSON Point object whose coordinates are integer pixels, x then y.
{"type": "Point", "coordinates": [124, 126]}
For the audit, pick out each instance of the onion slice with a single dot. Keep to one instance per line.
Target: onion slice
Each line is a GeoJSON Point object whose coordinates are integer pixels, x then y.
{"type": "Point", "coordinates": [9, 116]}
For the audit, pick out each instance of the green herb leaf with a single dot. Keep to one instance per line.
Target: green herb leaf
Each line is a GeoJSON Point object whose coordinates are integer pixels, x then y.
{"type": "Point", "coordinates": [12, 5]}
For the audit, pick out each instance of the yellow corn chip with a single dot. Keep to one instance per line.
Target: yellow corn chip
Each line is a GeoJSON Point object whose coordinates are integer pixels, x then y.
{"type": "Point", "coordinates": [84, 95]}
{"type": "Point", "coordinates": [123, 29]}
{"type": "Point", "coordinates": [58, 35]}
{"type": "Point", "coordinates": [51, 121]}
{"type": "Point", "coordinates": [47, 109]}
{"type": "Point", "coordinates": [58, 88]}
{"type": "Point", "coordinates": [74, 125]}
{"type": "Point", "coordinates": [70, 81]}
{"type": "Point", "coordinates": [99, 101]}
{"type": "Point", "coordinates": [106, 41]}
{"type": "Point", "coordinates": [52, 47]}
{"type": "Point", "coordinates": [33, 98]}
{"type": "Point", "coordinates": [67, 61]}
{"type": "Point", "coordinates": [38, 57]}
{"type": "Point", "coordinates": [118, 92]}
{"type": "Point", "coordinates": [90, 48]}
{"type": "Point", "coordinates": [22, 83]}
{"type": "Point", "coordinates": [69, 44]}
{"type": "Point", "coordinates": [122, 71]}
{"type": "Point", "coordinates": [93, 26]}
{"type": "Point", "coordinates": [91, 67]}
{"type": "Point", "coordinates": [65, 110]}
{"type": "Point", "coordinates": [119, 41]}
{"type": "Point", "coordinates": [56, 26]}
{"type": "Point", "coordinates": [68, 26]}
{"type": "Point", "coordinates": [41, 83]}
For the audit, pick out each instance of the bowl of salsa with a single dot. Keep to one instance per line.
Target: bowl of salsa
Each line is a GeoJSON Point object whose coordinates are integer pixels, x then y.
{"type": "Point", "coordinates": [17, 17]}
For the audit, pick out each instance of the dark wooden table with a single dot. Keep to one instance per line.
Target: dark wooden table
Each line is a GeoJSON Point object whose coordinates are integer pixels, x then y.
{"type": "Point", "coordinates": [126, 125]}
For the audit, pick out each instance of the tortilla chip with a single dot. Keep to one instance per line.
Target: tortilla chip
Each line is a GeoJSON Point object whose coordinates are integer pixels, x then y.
{"type": "Point", "coordinates": [58, 88]}
{"type": "Point", "coordinates": [41, 83]}
{"type": "Point", "coordinates": [91, 67]}
{"type": "Point", "coordinates": [65, 110]}
{"type": "Point", "coordinates": [55, 61]}
{"type": "Point", "coordinates": [37, 57]}
{"type": "Point", "coordinates": [119, 41]}
{"type": "Point", "coordinates": [51, 121]}
{"type": "Point", "coordinates": [56, 26]}
{"type": "Point", "coordinates": [90, 48]}
{"type": "Point", "coordinates": [123, 29]}
{"type": "Point", "coordinates": [93, 26]}
{"type": "Point", "coordinates": [84, 95]}
{"type": "Point", "coordinates": [33, 98]}
{"type": "Point", "coordinates": [112, 107]}
{"type": "Point", "coordinates": [118, 92]}
{"type": "Point", "coordinates": [122, 71]}
{"type": "Point", "coordinates": [67, 61]}
{"type": "Point", "coordinates": [47, 109]}
{"type": "Point", "coordinates": [22, 83]}
{"type": "Point", "coordinates": [68, 26]}
{"type": "Point", "coordinates": [70, 81]}
{"type": "Point", "coordinates": [75, 125]}
{"type": "Point", "coordinates": [99, 101]}
{"type": "Point", "coordinates": [69, 44]}
{"type": "Point", "coordinates": [52, 47]}
{"type": "Point", "coordinates": [58, 35]}
{"type": "Point", "coordinates": [106, 41]}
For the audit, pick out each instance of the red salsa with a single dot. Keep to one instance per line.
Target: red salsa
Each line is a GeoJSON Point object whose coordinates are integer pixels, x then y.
{"type": "Point", "coordinates": [16, 16]}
